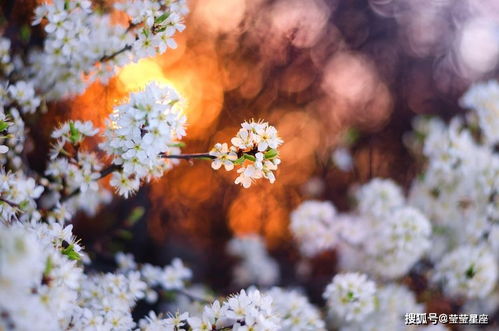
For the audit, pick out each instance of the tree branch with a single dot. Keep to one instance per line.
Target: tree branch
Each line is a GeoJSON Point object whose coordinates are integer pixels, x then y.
{"type": "Point", "coordinates": [188, 156]}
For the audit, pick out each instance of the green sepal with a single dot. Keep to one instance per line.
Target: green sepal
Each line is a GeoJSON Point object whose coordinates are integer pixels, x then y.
{"type": "Point", "coordinates": [74, 134]}
{"type": "Point", "coordinates": [470, 272]}
{"type": "Point", "coordinates": [24, 204]}
{"type": "Point", "coordinates": [3, 125]}
{"type": "Point", "coordinates": [163, 28]}
{"type": "Point", "coordinates": [249, 157]}
{"type": "Point", "coordinates": [162, 18]}
{"type": "Point", "coordinates": [271, 153]}
{"type": "Point", "coordinates": [71, 253]}
{"type": "Point", "coordinates": [239, 161]}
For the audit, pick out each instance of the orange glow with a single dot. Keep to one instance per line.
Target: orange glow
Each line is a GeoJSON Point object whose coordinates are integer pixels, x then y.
{"type": "Point", "coordinates": [232, 64]}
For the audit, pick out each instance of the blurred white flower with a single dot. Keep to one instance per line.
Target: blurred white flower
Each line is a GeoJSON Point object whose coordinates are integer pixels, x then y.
{"type": "Point", "coordinates": [470, 272]}
{"type": "Point", "coordinates": [351, 297]}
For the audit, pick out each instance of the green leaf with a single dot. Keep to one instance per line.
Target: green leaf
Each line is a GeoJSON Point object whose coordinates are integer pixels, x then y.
{"type": "Point", "coordinates": [470, 272]}
{"type": "Point", "coordinates": [161, 19]}
{"type": "Point", "coordinates": [3, 125]}
{"type": "Point", "coordinates": [239, 161]}
{"type": "Point", "coordinates": [25, 33]}
{"type": "Point", "coordinates": [351, 136]}
{"type": "Point", "coordinates": [163, 28]}
{"type": "Point", "coordinates": [249, 157]}
{"type": "Point", "coordinates": [24, 204]}
{"type": "Point", "coordinates": [271, 153]}
{"type": "Point", "coordinates": [125, 234]}
{"type": "Point", "coordinates": [74, 134]}
{"type": "Point", "coordinates": [135, 215]}
{"type": "Point", "coordinates": [168, 295]}
{"type": "Point", "coordinates": [71, 253]}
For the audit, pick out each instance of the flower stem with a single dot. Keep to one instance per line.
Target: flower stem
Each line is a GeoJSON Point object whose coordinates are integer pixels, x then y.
{"type": "Point", "coordinates": [12, 204]}
{"type": "Point", "coordinates": [188, 156]}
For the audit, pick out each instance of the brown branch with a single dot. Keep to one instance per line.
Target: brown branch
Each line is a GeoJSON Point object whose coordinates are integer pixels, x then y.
{"type": "Point", "coordinates": [12, 204]}
{"type": "Point", "coordinates": [188, 156]}
{"type": "Point", "coordinates": [106, 171]}
{"type": "Point", "coordinates": [106, 58]}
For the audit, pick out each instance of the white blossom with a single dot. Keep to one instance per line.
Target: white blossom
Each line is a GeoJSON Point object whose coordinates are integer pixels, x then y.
{"type": "Point", "coordinates": [256, 266]}
{"type": "Point", "coordinates": [484, 99]}
{"type": "Point", "coordinates": [468, 271]}
{"type": "Point", "coordinates": [393, 302]}
{"type": "Point", "coordinates": [342, 159]}
{"type": "Point", "coordinates": [142, 131]}
{"type": "Point", "coordinates": [351, 296]}
{"type": "Point", "coordinates": [379, 197]}
{"type": "Point", "coordinates": [82, 41]}
{"type": "Point", "coordinates": [297, 313]}
{"type": "Point", "coordinates": [313, 225]}
{"type": "Point", "coordinates": [254, 150]}
{"type": "Point", "coordinates": [398, 241]}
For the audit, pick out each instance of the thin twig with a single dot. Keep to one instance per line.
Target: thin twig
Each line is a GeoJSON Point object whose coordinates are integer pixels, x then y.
{"type": "Point", "coordinates": [188, 156]}
{"type": "Point", "coordinates": [12, 204]}
{"type": "Point", "coordinates": [112, 168]}
{"type": "Point", "coordinates": [105, 58]}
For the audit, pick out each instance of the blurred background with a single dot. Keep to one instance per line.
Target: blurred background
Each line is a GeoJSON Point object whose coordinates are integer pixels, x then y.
{"type": "Point", "coordinates": [324, 72]}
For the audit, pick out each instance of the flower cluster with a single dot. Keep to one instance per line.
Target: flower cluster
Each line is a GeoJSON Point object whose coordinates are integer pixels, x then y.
{"type": "Point", "coordinates": [312, 224]}
{"type": "Point", "coordinates": [39, 276]}
{"type": "Point", "coordinates": [458, 190]}
{"type": "Point", "coordinates": [15, 100]}
{"type": "Point", "coordinates": [6, 65]}
{"type": "Point", "coordinates": [247, 310]}
{"type": "Point", "coordinates": [484, 99]}
{"type": "Point", "coordinates": [157, 22]}
{"type": "Point", "coordinates": [23, 96]}
{"type": "Point", "coordinates": [17, 196]}
{"type": "Point", "coordinates": [4, 125]}
{"type": "Point", "coordinates": [254, 149]}
{"type": "Point", "coordinates": [105, 301]}
{"type": "Point", "coordinates": [396, 243]}
{"type": "Point", "coordinates": [74, 169]}
{"type": "Point", "coordinates": [351, 296]}
{"type": "Point", "coordinates": [256, 266]}
{"type": "Point", "coordinates": [468, 271]}
{"type": "Point", "coordinates": [296, 312]}
{"type": "Point", "coordinates": [398, 236]}
{"type": "Point", "coordinates": [378, 197]}
{"type": "Point", "coordinates": [392, 303]}
{"type": "Point", "coordinates": [141, 133]}
{"type": "Point", "coordinates": [83, 41]}
{"type": "Point", "coordinates": [170, 277]}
